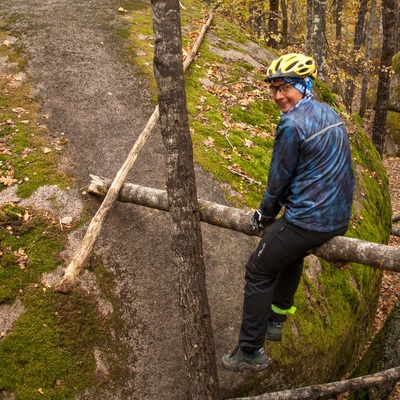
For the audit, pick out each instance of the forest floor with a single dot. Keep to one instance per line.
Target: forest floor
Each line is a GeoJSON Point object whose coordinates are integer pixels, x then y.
{"type": "Point", "coordinates": [390, 292]}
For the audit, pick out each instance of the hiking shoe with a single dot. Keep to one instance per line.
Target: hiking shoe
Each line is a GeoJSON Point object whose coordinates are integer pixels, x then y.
{"type": "Point", "coordinates": [274, 331]}
{"type": "Point", "coordinates": [238, 361]}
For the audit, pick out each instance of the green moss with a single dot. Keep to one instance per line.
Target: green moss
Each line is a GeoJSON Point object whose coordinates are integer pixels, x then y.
{"type": "Point", "coordinates": [324, 93]}
{"type": "Point", "coordinates": [29, 248]}
{"type": "Point", "coordinates": [27, 163]}
{"type": "Point", "coordinates": [49, 353]}
{"type": "Point", "coordinates": [393, 124]}
{"type": "Point", "coordinates": [396, 63]}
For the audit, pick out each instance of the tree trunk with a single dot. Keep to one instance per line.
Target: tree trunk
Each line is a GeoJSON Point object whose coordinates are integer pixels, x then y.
{"type": "Point", "coordinates": [293, 22]}
{"type": "Point", "coordinates": [285, 21]}
{"type": "Point", "coordinates": [186, 239]}
{"type": "Point", "coordinates": [339, 250]}
{"type": "Point", "coordinates": [273, 25]}
{"type": "Point", "coordinates": [338, 25]}
{"type": "Point", "coordinates": [352, 65]}
{"type": "Point", "coordinates": [309, 27]}
{"type": "Point", "coordinates": [389, 8]}
{"type": "Point", "coordinates": [368, 48]}
{"type": "Point", "coordinates": [319, 36]}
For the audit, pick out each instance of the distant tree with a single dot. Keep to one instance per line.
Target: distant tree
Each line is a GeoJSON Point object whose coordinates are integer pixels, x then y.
{"type": "Point", "coordinates": [338, 25]}
{"type": "Point", "coordinates": [319, 32]}
{"type": "Point", "coordinates": [309, 27]}
{"type": "Point", "coordinates": [368, 48]}
{"type": "Point", "coordinates": [186, 240]}
{"type": "Point", "coordinates": [257, 18]}
{"type": "Point", "coordinates": [389, 30]}
{"type": "Point", "coordinates": [285, 23]}
{"type": "Point", "coordinates": [293, 22]}
{"type": "Point", "coordinates": [273, 23]}
{"type": "Point", "coordinates": [353, 66]}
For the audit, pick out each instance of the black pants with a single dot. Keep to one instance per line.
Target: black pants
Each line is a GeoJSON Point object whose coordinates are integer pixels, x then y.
{"type": "Point", "coordinates": [273, 274]}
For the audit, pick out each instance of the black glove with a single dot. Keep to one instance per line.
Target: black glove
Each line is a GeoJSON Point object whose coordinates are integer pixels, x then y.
{"type": "Point", "coordinates": [258, 221]}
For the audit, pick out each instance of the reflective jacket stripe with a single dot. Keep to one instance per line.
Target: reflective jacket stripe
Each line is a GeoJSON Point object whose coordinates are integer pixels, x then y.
{"type": "Point", "coordinates": [323, 131]}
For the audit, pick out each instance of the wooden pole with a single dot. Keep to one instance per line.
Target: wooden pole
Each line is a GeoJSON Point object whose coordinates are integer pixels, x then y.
{"type": "Point", "coordinates": [340, 250]}
{"type": "Point", "coordinates": [86, 246]}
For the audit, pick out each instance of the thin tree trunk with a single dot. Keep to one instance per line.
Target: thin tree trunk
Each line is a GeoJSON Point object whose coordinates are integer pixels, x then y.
{"type": "Point", "coordinates": [309, 27]}
{"type": "Point", "coordinates": [273, 25]}
{"type": "Point", "coordinates": [186, 238]}
{"type": "Point", "coordinates": [293, 22]}
{"type": "Point", "coordinates": [368, 48]}
{"type": "Point", "coordinates": [352, 65]}
{"type": "Point", "coordinates": [389, 8]}
{"type": "Point", "coordinates": [339, 250]}
{"type": "Point", "coordinates": [338, 25]}
{"type": "Point", "coordinates": [285, 21]}
{"type": "Point", "coordinates": [319, 21]}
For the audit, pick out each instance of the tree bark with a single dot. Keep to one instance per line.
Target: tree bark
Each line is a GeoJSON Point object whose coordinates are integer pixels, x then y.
{"type": "Point", "coordinates": [285, 22]}
{"type": "Point", "coordinates": [319, 36]}
{"type": "Point", "coordinates": [309, 27]}
{"type": "Point", "coordinates": [339, 250]}
{"type": "Point", "coordinates": [333, 388]}
{"type": "Point", "coordinates": [389, 8]}
{"type": "Point", "coordinates": [186, 238]}
{"type": "Point", "coordinates": [338, 25]}
{"type": "Point", "coordinates": [352, 65]}
{"type": "Point", "coordinates": [273, 24]}
{"type": "Point", "coordinates": [368, 49]}
{"type": "Point", "coordinates": [293, 22]}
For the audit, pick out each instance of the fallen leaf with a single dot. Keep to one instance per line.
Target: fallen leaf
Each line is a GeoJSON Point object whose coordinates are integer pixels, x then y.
{"type": "Point", "coordinates": [66, 220]}
{"type": "Point", "coordinates": [7, 181]}
{"type": "Point", "coordinates": [209, 142]}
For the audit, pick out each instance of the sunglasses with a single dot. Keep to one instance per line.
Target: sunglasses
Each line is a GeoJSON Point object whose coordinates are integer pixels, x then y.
{"type": "Point", "coordinates": [283, 88]}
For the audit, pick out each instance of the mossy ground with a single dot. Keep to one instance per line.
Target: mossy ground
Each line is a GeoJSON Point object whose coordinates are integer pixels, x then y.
{"type": "Point", "coordinates": [49, 351]}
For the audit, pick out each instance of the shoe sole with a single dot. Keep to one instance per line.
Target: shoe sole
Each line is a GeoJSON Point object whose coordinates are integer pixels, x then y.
{"type": "Point", "coordinates": [242, 367]}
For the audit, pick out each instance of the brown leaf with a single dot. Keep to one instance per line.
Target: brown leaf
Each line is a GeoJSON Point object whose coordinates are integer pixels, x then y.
{"type": "Point", "coordinates": [7, 181]}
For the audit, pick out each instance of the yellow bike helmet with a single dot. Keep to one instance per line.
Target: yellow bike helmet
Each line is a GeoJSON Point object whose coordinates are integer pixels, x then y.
{"type": "Point", "coordinates": [291, 65]}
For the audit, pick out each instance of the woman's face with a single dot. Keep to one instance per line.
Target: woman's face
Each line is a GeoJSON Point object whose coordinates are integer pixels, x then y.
{"type": "Point", "coordinates": [285, 95]}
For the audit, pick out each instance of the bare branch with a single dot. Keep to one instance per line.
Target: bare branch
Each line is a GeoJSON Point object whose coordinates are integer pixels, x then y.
{"type": "Point", "coordinates": [316, 391]}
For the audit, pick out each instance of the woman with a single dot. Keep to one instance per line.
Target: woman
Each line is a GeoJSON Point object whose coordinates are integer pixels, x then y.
{"type": "Point", "coordinates": [311, 177]}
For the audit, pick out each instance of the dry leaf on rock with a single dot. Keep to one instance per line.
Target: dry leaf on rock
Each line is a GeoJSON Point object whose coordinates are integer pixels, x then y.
{"type": "Point", "coordinates": [7, 181]}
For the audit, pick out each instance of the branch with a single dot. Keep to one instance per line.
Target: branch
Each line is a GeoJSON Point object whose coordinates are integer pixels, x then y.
{"type": "Point", "coordinates": [93, 232]}
{"type": "Point", "coordinates": [339, 250]}
{"type": "Point", "coordinates": [315, 391]}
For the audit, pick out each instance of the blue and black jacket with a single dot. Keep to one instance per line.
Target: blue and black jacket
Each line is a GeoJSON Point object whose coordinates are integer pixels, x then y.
{"type": "Point", "coordinates": [311, 173]}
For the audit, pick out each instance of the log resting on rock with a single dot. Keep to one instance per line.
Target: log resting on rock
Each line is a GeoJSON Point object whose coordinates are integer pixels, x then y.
{"type": "Point", "coordinates": [339, 250]}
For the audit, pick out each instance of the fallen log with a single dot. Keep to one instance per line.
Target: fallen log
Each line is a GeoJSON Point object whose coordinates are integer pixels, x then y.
{"type": "Point", "coordinates": [339, 250]}
{"type": "Point", "coordinates": [87, 244]}
{"type": "Point", "coordinates": [317, 391]}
